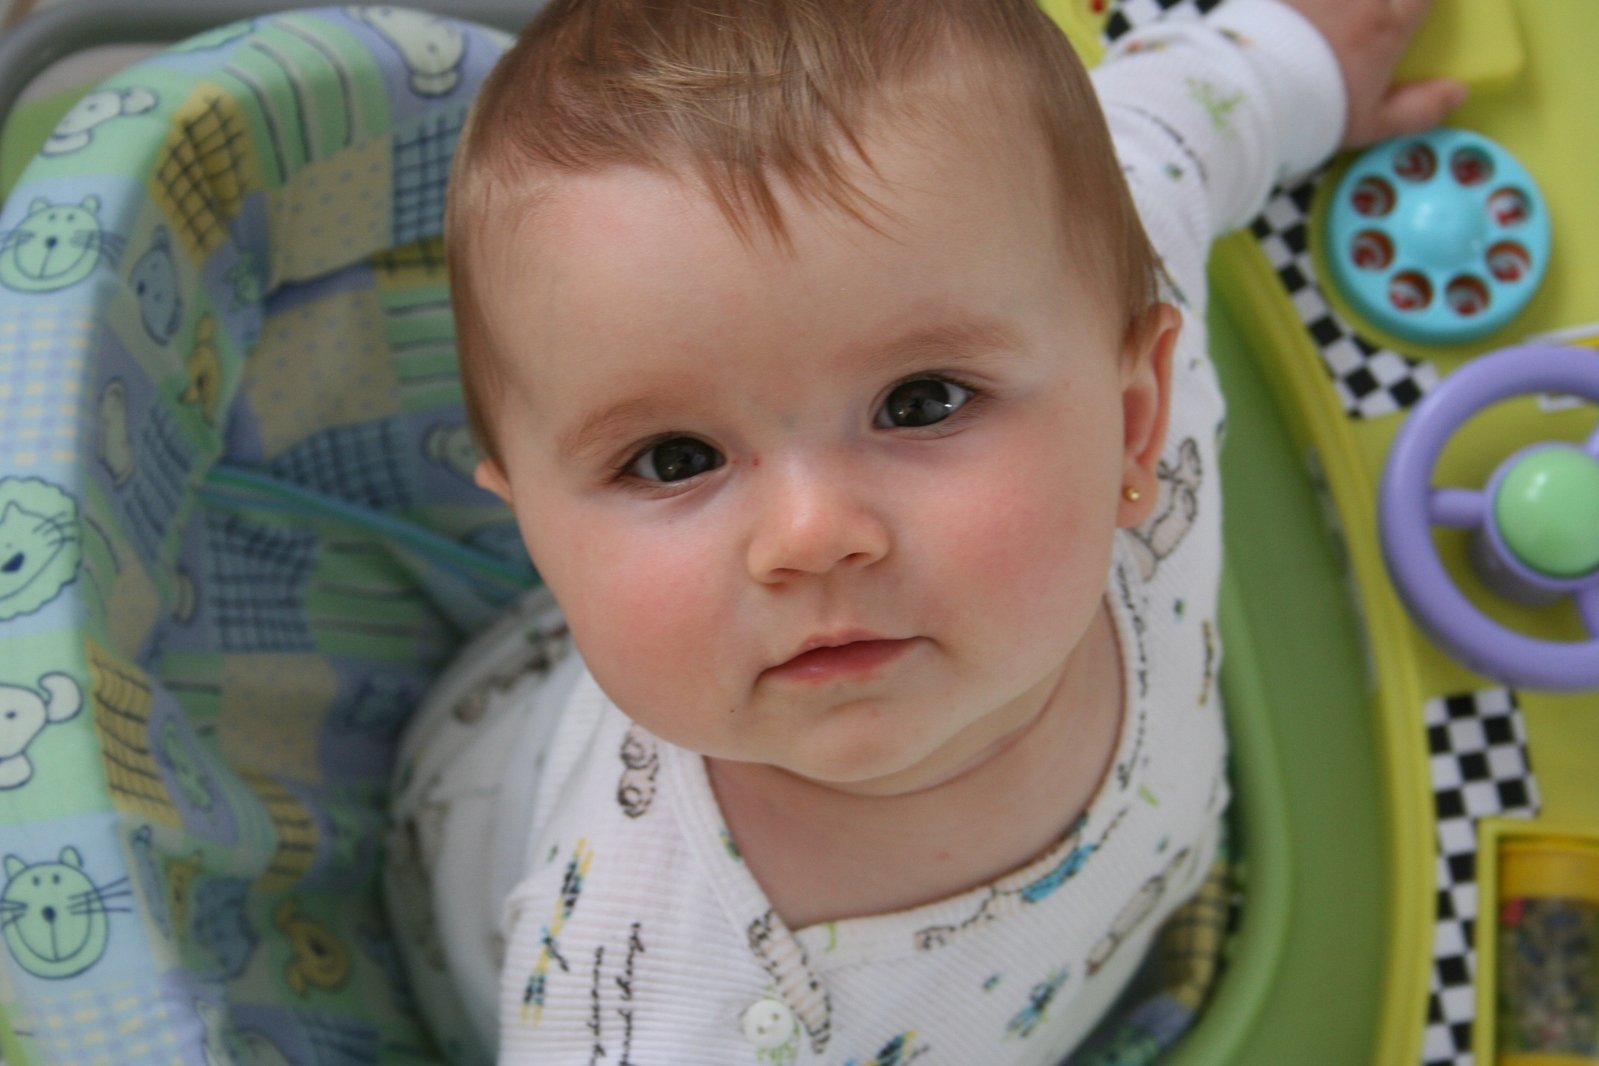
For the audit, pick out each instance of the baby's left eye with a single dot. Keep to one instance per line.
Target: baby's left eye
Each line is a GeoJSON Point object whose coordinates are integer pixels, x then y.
{"type": "Point", "coordinates": [921, 402]}
{"type": "Point", "coordinates": [675, 459]}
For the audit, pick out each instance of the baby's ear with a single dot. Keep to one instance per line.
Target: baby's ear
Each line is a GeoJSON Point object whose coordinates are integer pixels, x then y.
{"type": "Point", "coordinates": [489, 476]}
{"type": "Point", "coordinates": [1146, 402]}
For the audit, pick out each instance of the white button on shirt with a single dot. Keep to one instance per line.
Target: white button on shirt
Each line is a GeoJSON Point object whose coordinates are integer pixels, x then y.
{"type": "Point", "coordinates": [768, 1024]}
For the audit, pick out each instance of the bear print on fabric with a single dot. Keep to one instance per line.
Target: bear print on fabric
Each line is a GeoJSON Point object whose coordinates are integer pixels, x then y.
{"type": "Point", "coordinates": [39, 543]}
{"type": "Point", "coordinates": [431, 46]}
{"type": "Point", "coordinates": [320, 960]}
{"type": "Point", "coordinates": [222, 925]}
{"type": "Point", "coordinates": [155, 283]}
{"type": "Point", "coordinates": [204, 368]}
{"type": "Point", "coordinates": [55, 246]}
{"type": "Point", "coordinates": [451, 447]}
{"type": "Point", "coordinates": [153, 885]}
{"type": "Point", "coordinates": [23, 716]}
{"type": "Point", "coordinates": [76, 128]}
{"type": "Point", "coordinates": [115, 446]}
{"type": "Point", "coordinates": [56, 919]}
{"type": "Point", "coordinates": [173, 755]}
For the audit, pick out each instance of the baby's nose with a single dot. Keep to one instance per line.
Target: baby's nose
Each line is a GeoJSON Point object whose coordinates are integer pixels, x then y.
{"type": "Point", "coordinates": [811, 524]}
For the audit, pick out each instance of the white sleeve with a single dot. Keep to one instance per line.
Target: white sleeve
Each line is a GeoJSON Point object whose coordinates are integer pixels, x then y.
{"type": "Point", "coordinates": [1208, 114]}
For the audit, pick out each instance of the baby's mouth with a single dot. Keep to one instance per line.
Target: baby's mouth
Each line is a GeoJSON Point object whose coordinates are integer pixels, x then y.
{"type": "Point", "coordinates": [849, 660]}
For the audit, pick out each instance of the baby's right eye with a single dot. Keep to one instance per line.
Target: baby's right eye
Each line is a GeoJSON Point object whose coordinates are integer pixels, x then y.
{"type": "Point", "coordinates": [675, 459]}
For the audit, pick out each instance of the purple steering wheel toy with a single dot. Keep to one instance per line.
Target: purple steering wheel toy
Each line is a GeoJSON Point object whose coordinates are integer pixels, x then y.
{"type": "Point", "coordinates": [1535, 524]}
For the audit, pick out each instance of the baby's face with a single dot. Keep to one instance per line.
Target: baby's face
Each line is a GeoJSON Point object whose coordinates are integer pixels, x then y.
{"type": "Point", "coordinates": [846, 510]}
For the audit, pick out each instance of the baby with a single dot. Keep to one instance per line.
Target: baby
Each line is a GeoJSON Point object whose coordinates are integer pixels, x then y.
{"type": "Point", "coordinates": [869, 451]}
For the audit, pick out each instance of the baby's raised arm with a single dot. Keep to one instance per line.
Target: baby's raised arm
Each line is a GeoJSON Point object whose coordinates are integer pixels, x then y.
{"type": "Point", "coordinates": [1209, 114]}
{"type": "Point", "coordinates": [1368, 37]}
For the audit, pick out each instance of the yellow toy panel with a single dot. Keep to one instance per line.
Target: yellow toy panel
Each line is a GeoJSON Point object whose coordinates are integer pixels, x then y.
{"type": "Point", "coordinates": [1471, 759]}
{"type": "Point", "coordinates": [1480, 778]}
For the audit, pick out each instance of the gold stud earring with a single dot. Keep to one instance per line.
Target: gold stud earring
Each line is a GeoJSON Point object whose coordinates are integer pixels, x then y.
{"type": "Point", "coordinates": [1131, 494]}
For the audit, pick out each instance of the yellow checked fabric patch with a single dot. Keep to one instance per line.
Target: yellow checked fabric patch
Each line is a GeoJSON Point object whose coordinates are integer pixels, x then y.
{"type": "Point", "coordinates": [207, 166]}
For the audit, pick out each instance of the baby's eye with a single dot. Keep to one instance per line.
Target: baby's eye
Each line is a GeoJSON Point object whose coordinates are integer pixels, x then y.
{"type": "Point", "coordinates": [675, 459]}
{"type": "Point", "coordinates": [921, 402]}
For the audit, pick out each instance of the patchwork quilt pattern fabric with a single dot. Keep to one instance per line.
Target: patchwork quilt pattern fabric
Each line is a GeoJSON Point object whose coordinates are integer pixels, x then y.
{"type": "Point", "coordinates": [238, 536]}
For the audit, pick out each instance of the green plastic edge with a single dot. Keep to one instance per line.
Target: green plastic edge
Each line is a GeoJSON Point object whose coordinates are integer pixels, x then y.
{"type": "Point", "coordinates": [1303, 981]}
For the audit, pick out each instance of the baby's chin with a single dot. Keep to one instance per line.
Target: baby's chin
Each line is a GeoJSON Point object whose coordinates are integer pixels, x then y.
{"type": "Point", "coordinates": [880, 762]}
{"type": "Point", "coordinates": [867, 748]}
{"type": "Point", "coordinates": [889, 754]}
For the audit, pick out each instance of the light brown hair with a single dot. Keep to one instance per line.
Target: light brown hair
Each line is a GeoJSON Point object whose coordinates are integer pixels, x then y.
{"type": "Point", "coordinates": [745, 94]}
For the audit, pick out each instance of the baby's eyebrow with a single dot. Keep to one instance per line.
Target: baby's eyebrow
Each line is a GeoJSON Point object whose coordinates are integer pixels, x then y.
{"type": "Point", "coordinates": [951, 339]}
{"type": "Point", "coordinates": [604, 425]}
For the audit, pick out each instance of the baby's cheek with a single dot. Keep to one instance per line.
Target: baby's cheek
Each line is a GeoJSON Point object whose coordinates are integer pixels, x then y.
{"type": "Point", "coordinates": [645, 621]}
{"type": "Point", "coordinates": [1035, 554]}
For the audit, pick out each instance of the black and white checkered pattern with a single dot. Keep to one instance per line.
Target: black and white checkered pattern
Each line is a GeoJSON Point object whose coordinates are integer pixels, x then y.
{"type": "Point", "coordinates": [1130, 14]}
{"type": "Point", "coordinates": [1369, 380]}
{"type": "Point", "coordinates": [1477, 746]}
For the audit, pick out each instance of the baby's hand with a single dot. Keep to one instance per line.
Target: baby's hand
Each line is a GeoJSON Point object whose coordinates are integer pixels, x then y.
{"type": "Point", "coordinates": [1368, 37]}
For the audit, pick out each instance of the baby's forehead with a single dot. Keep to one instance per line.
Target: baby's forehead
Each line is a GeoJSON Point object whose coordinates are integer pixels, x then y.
{"type": "Point", "coordinates": [944, 115]}
{"type": "Point", "coordinates": [575, 238]}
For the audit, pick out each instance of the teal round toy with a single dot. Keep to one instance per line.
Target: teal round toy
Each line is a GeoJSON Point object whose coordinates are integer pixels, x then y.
{"type": "Point", "coordinates": [1438, 238]}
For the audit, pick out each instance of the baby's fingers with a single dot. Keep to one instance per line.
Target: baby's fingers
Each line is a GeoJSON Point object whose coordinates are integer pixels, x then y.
{"type": "Point", "coordinates": [1409, 108]}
